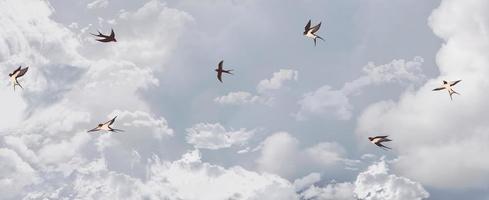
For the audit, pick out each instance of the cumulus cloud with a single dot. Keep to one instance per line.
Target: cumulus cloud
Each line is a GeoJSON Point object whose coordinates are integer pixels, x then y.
{"type": "Point", "coordinates": [328, 100]}
{"type": "Point", "coordinates": [282, 155]}
{"type": "Point", "coordinates": [215, 136]}
{"type": "Point", "coordinates": [375, 183]}
{"type": "Point", "coordinates": [264, 88]}
{"type": "Point", "coordinates": [238, 98]}
{"type": "Point", "coordinates": [453, 132]}
{"type": "Point", "coordinates": [277, 80]}
{"type": "Point", "coordinates": [187, 178]}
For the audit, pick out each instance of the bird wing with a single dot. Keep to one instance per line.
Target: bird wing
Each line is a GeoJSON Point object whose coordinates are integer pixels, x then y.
{"type": "Point", "coordinates": [316, 28]}
{"type": "Point", "coordinates": [99, 34]}
{"type": "Point", "coordinates": [219, 66]}
{"type": "Point", "coordinates": [308, 26]}
{"type": "Point", "coordinates": [454, 82]}
{"type": "Point", "coordinates": [440, 88]}
{"type": "Point", "coordinates": [219, 76]}
{"type": "Point", "coordinates": [112, 34]}
{"type": "Point", "coordinates": [381, 136]}
{"type": "Point", "coordinates": [22, 72]}
{"type": "Point", "coordinates": [111, 121]}
{"type": "Point", "coordinates": [104, 40]}
{"type": "Point", "coordinates": [16, 70]}
{"type": "Point", "coordinates": [93, 130]}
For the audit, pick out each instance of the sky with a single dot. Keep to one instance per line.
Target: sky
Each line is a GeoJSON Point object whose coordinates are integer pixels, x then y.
{"type": "Point", "coordinates": [291, 123]}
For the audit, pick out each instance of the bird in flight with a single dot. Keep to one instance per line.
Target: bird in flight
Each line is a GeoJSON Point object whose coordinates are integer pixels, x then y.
{"type": "Point", "coordinates": [377, 140]}
{"type": "Point", "coordinates": [448, 86]}
{"type": "Point", "coordinates": [310, 32]}
{"type": "Point", "coordinates": [106, 38]}
{"type": "Point", "coordinates": [106, 127]}
{"type": "Point", "coordinates": [219, 71]}
{"type": "Point", "coordinates": [19, 72]}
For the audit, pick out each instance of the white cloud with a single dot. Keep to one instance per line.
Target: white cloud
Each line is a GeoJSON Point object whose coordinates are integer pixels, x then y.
{"type": "Point", "coordinates": [215, 136]}
{"type": "Point", "coordinates": [265, 90]}
{"type": "Point", "coordinates": [187, 178]}
{"type": "Point", "coordinates": [238, 98]}
{"type": "Point", "coordinates": [14, 173]}
{"type": "Point", "coordinates": [452, 131]}
{"type": "Point", "coordinates": [282, 155]}
{"type": "Point", "coordinates": [327, 100]}
{"type": "Point", "coordinates": [277, 80]}
{"type": "Point", "coordinates": [375, 183]}
{"type": "Point", "coordinates": [98, 4]}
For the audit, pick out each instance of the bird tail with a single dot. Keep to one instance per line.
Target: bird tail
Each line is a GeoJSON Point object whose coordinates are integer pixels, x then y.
{"type": "Point", "coordinates": [117, 130]}
{"type": "Point", "coordinates": [319, 37]}
{"type": "Point", "coordinates": [314, 41]}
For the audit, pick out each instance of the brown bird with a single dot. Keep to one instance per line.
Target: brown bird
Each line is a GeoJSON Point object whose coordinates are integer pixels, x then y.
{"type": "Point", "coordinates": [310, 32]}
{"type": "Point", "coordinates": [106, 38]}
{"type": "Point", "coordinates": [106, 127]}
{"type": "Point", "coordinates": [377, 140]}
{"type": "Point", "coordinates": [448, 86]}
{"type": "Point", "coordinates": [219, 71]}
{"type": "Point", "coordinates": [19, 72]}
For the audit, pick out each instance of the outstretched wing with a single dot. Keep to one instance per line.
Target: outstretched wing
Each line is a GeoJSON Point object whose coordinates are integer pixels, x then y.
{"type": "Point", "coordinates": [22, 72]}
{"type": "Point", "coordinates": [99, 34]}
{"type": "Point", "coordinates": [381, 136]}
{"type": "Point", "coordinates": [440, 88]}
{"type": "Point", "coordinates": [316, 28]}
{"type": "Point", "coordinates": [16, 70]}
{"type": "Point", "coordinates": [112, 34]}
{"type": "Point", "coordinates": [308, 26]}
{"type": "Point", "coordinates": [219, 76]}
{"type": "Point", "coordinates": [219, 66]}
{"type": "Point", "coordinates": [111, 121]}
{"type": "Point", "coordinates": [93, 130]}
{"type": "Point", "coordinates": [454, 82]}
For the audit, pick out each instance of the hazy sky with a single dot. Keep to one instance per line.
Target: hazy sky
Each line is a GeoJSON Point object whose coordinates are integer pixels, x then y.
{"type": "Point", "coordinates": [291, 123]}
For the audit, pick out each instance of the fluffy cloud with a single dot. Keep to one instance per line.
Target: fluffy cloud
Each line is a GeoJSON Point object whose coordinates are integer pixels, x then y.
{"type": "Point", "coordinates": [187, 178]}
{"type": "Point", "coordinates": [375, 183]}
{"type": "Point", "coordinates": [452, 132]}
{"type": "Point", "coordinates": [215, 136]}
{"type": "Point", "coordinates": [327, 100]}
{"type": "Point", "coordinates": [238, 98]}
{"type": "Point", "coordinates": [281, 154]}
{"type": "Point", "coordinates": [265, 90]}
{"type": "Point", "coordinates": [277, 80]}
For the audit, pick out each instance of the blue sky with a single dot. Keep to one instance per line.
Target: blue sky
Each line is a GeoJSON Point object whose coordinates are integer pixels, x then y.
{"type": "Point", "coordinates": [291, 123]}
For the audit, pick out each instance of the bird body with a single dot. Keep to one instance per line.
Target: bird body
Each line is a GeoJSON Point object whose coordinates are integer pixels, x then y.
{"type": "Point", "coordinates": [220, 71]}
{"type": "Point", "coordinates": [378, 140]}
{"type": "Point", "coordinates": [310, 32]}
{"type": "Point", "coordinates": [106, 38]}
{"type": "Point", "coordinates": [106, 127]}
{"type": "Point", "coordinates": [17, 73]}
{"type": "Point", "coordinates": [448, 86]}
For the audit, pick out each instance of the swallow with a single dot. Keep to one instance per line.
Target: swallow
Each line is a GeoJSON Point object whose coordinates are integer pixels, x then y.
{"type": "Point", "coordinates": [310, 32]}
{"type": "Point", "coordinates": [106, 127]}
{"type": "Point", "coordinates": [106, 38]}
{"type": "Point", "coordinates": [377, 140]}
{"type": "Point", "coordinates": [219, 71]}
{"type": "Point", "coordinates": [19, 72]}
{"type": "Point", "coordinates": [448, 86]}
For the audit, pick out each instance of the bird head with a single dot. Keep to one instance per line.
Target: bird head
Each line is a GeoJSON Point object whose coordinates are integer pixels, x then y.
{"type": "Point", "coordinates": [11, 74]}
{"type": "Point", "coordinates": [100, 125]}
{"type": "Point", "coordinates": [370, 138]}
{"type": "Point", "coordinates": [115, 40]}
{"type": "Point", "coordinates": [445, 82]}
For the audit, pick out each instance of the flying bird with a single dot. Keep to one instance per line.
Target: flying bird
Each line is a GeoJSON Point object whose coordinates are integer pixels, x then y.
{"type": "Point", "coordinates": [19, 72]}
{"type": "Point", "coordinates": [448, 86]}
{"type": "Point", "coordinates": [106, 38]}
{"type": "Point", "coordinates": [219, 71]}
{"type": "Point", "coordinates": [377, 140]}
{"type": "Point", "coordinates": [310, 32]}
{"type": "Point", "coordinates": [106, 127]}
